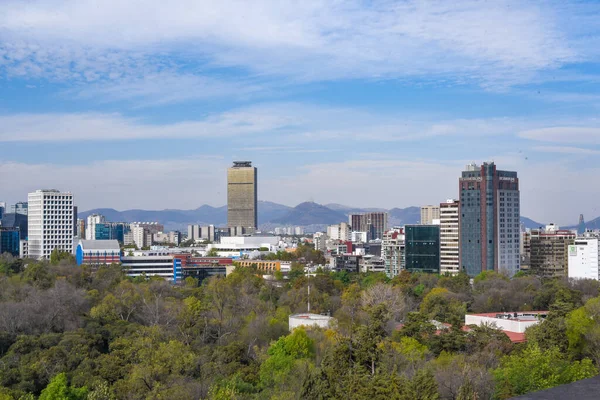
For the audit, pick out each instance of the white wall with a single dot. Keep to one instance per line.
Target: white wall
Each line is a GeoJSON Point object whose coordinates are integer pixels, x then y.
{"type": "Point", "coordinates": [583, 259]}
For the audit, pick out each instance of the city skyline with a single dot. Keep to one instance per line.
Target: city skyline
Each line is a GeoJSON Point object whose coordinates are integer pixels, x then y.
{"type": "Point", "coordinates": [323, 97]}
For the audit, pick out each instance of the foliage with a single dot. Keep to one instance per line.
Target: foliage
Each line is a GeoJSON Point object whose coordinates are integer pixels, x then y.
{"type": "Point", "coordinates": [59, 389]}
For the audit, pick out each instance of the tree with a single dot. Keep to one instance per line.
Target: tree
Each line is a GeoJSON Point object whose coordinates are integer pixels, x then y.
{"type": "Point", "coordinates": [283, 354]}
{"type": "Point", "coordinates": [583, 330]}
{"type": "Point", "coordinates": [212, 253]}
{"type": "Point", "coordinates": [535, 369]}
{"type": "Point", "coordinates": [57, 256]}
{"type": "Point", "coordinates": [59, 389]}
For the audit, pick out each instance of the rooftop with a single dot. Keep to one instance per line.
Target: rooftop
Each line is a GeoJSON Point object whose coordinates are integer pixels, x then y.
{"type": "Point", "coordinates": [100, 245]}
{"type": "Point", "coordinates": [514, 316]}
{"type": "Point", "coordinates": [242, 164]}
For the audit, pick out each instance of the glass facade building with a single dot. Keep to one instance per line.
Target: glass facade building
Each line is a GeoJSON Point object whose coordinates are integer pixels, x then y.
{"type": "Point", "coordinates": [422, 248]}
{"type": "Point", "coordinates": [9, 241]}
{"type": "Point", "coordinates": [111, 231]}
{"type": "Point", "coordinates": [489, 220]}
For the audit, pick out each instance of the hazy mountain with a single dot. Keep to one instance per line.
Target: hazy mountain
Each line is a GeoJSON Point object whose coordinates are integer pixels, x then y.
{"type": "Point", "coordinates": [272, 214]}
{"type": "Point", "coordinates": [531, 224]}
{"type": "Point", "coordinates": [310, 213]}
{"type": "Point", "coordinates": [349, 210]}
{"type": "Point", "coordinates": [404, 216]}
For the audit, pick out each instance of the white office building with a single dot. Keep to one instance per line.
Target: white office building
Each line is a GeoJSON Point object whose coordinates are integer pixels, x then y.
{"type": "Point", "coordinates": [92, 220]}
{"type": "Point", "coordinates": [50, 223]}
{"type": "Point", "coordinates": [449, 237]}
{"type": "Point", "coordinates": [584, 259]}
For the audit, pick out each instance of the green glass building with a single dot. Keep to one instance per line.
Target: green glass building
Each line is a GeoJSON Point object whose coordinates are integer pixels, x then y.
{"type": "Point", "coordinates": [422, 248]}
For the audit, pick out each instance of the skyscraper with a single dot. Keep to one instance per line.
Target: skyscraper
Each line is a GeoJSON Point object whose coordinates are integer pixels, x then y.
{"type": "Point", "coordinates": [489, 220]}
{"type": "Point", "coordinates": [50, 222]}
{"type": "Point", "coordinates": [449, 237]}
{"type": "Point", "coordinates": [422, 248]}
{"type": "Point", "coordinates": [242, 196]}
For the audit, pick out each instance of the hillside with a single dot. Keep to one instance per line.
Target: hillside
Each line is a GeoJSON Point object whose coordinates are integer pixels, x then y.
{"type": "Point", "coordinates": [310, 213]}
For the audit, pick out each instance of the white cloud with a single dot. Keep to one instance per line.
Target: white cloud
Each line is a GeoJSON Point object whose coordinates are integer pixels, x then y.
{"type": "Point", "coordinates": [491, 43]}
{"type": "Point", "coordinates": [566, 150]}
{"type": "Point", "coordinates": [565, 134]}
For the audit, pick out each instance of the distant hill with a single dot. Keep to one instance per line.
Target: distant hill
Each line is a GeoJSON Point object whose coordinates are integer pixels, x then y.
{"type": "Point", "coordinates": [272, 214]}
{"type": "Point", "coordinates": [404, 216]}
{"type": "Point", "coordinates": [531, 224]}
{"type": "Point", "coordinates": [310, 213]}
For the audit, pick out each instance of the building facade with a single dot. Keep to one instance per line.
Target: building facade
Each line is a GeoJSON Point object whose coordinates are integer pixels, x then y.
{"type": "Point", "coordinates": [242, 196]}
{"type": "Point", "coordinates": [50, 223]}
{"type": "Point", "coordinates": [374, 223]}
{"type": "Point", "coordinates": [98, 252]}
{"type": "Point", "coordinates": [92, 220]}
{"type": "Point", "coordinates": [422, 248]}
{"type": "Point", "coordinates": [13, 220]}
{"type": "Point", "coordinates": [339, 232]}
{"type": "Point", "coordinates": [9, 241]}
{"type": "Point", "coordinates": [584, 257]}
{"type": "Point", "coordinates": [450, 237]}
{"type": "Point", "coordinates": [429, 213]}
{"type": "Point", "coordinates": [489, 220]}
{"type": "Point", "coordinates": [19, 208]}
{"type": "Point", "coordinates": [392, 251]}
{"type": "Point", "coordinates": [549, 251]}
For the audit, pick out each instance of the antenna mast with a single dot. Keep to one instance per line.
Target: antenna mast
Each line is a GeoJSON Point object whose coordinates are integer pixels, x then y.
{"type": "Point", "coordinates": [308, 279]}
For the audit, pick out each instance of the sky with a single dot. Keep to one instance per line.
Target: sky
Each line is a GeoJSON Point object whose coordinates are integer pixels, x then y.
{"type": "Point", "coordinates": [144, 104]}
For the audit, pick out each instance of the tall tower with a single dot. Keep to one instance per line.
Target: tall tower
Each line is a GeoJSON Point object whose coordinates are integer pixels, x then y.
{"type": "Point", "coordinates": [242, 196]}
{"type": "Point", "coordinates": [50, 222]}
{"type": "Point", "coordinates": [489, 220]}
{"type": "Point", "coordinates": [449, 237]}
{"type": "Point", "coordinates": [581, 225]}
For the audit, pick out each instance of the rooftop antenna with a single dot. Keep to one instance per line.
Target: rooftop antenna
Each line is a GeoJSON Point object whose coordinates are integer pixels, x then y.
{"type": "Point", "coordinates": [308, 279]}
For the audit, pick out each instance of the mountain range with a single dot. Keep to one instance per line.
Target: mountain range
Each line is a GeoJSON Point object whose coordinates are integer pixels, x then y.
{"type": "Point", "coordinates": [272, 214]}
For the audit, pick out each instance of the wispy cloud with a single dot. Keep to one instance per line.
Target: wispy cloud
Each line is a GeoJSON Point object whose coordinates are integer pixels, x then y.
{"type": "Point", "coordinates": [566, 150]}
{"type": "Point", "coordinates": [488, 43]}
{"type": "Point", "coordinates": [565, 134]}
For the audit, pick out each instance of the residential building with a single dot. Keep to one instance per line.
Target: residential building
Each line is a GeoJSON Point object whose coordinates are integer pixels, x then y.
{"type": "Point", "coordinates": [339, 232]}
{"type": "Point", "coordinates": [549, 251]}
{"type": "Point", "coordinates": [525, 250]}
{"type": "Point", "coordinates": [242, 196]}
{"type": "Point", "coordinates": [449, 237]}
{"type": "Point", "coordinates": [50, 222]}
{"type": "Point", "coordinates": [429, 213]}
{"type": "Point", "coordinates": [9, 241]}
{"type": "Point", "coordinates": [320, 241]}
{"type": "Point", "coordinates": [371, 263]}
{"type": "Point", "coordinates": [261, 265]}
{"type": "Point", "coordinates": [92, 220]}
{"type": "Point", "coordinates": [422, 248]}
{"type": "Point", "coordinates": [347, 262]}
{"type": "Point", "coordinates": [143, 233]}
{"type": "Point", "coordinates": [80, 232]}
{"type": "Point", "coordinates": [172, 237]}
{"type": "Point", "coordinates": [584, 257]}
{"type": "Point", "coordinates": [358, 237]}
{"type": "Point", "coordinates": [374, 223]}
{"type": "Point", "coordinates": [19, 208]}
{"type": "Point", "coordinates": [489, 220]}
{"type": "Point", "coordinates": [98, 252]}
{"type": "Point", "coordinates": [392, 251]}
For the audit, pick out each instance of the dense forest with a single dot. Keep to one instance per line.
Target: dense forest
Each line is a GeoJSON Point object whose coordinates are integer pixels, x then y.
{"type": "Point", "coordinates": [69, 332]}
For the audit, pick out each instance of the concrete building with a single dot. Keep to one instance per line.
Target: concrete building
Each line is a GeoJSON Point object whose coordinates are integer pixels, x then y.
{"type": "Point", "coordinates": [392, 251]}
{"type": "Point", "coordinates": [149, 263]}
{"type": "Point", "coordinates": [513, 324]}
{"type": "Point", "coordinates": [308, 320]}
{"type": "Point", "coordinates": [489, 220]}
{"type": "Point", "coordinates": [80, 232]}
{"type": "Point", "coordinates": [92, 220]}
{"type": "Point", "coordinates": [584, 257]}
{"type": "Point", "coordinates": [347, 262]}
{"type": "Point", "coordinates": [429, 213]}
{"type": "Point", "coordinates": [242, 196]}
{"type": "Point", "coordinates": [98, 252]}
{"type": "Point", "coordinates": [172, 237]}
{"type": "Point", "coordinates": [358, 237]}
{"type": "Point", "coordinates": [143, 233]}
{"type": "Point", "coordinates": [374, 223]}
{"type": "Point", "coordinates": [19, 208]}
{"type": "Point", "coordinates": [422, 248]}
{"type": "Point", "coordinates": [50, 223]}
{"type": "Point", "coordinates": [525, 250]}
{"type": "Point", "coordinates": [201, 233]}
{"type": "Point", "coordinates": [320, 241]}
{"type": "Point", "coordinates": [450, 237]}
{"type": "Point", "coordinates": [549, 251]}
{"type": "Point", "coordinates": [371, 263]}
{"type": "Point", "coordinates": [339, 232]}
{"type": "Point", "coordinates": [261, 265]}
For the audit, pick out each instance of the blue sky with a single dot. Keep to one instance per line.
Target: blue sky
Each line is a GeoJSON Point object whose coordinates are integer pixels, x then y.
{"type": "Point", "coordinates": [144, 104]}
